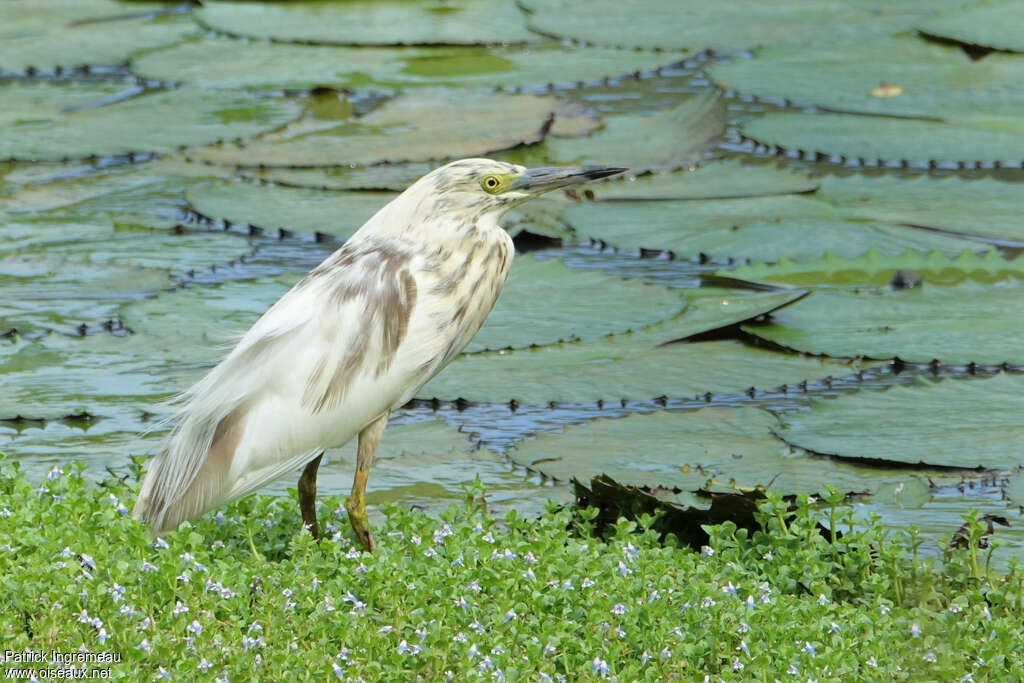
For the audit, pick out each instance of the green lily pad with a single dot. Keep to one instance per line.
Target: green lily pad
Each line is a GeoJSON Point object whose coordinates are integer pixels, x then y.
{"type": "Point", "coordinates": [723, 26]}
{"type": "Point", "coordinates": [763, 228]}
{"type": "Point", "coordinates": [1013, 489]}
{"type": "Point", "coordinates": [874, 268]}
{"type": "Point", "coordinates": [634, 366]}
{"type": "Point", "coordinates": [984, 207]}
{"type": "Point", "coordinates": [893, 76]}
{"type": "Point", "coordinates": [727, 180]}
{"type": "Point", "coordinates": [159, 121]}
{"type": "Point", "coordinates": [113, 378]}
{"type": "Point", "coordinates": [223, 63]}
{"type": "Point", "coordinates": [45, 38]}
{"type": "Point", "coordinates": [296, 209]}
{"type": "Point", "coordinates": [53, 294]}
{"type": "Point", "coordinates": [545, 301]}
{"type": "Point", "coordinates": [969, 138]}
{"type": "Point", "coordinates": [686, 450]}
{"type": "Point", "coordinates": [963, 323]}
{"type": "Point", "coordinates": [423, 124]}
{"type": "Point", "coordinates": [381, 178]}
{"type": "Point", "coordinates": [371, 22]}
{"type": "Point", "coordinates": [989, 24]}
{"type": "Point", "coordinates": [965, 423]}
{"type": "Point", "coordinates": [146, 195]}
{"type": "Point", "coordinates": [670, 139]}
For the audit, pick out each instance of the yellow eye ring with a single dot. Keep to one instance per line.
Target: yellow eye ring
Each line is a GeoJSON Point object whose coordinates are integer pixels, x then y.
{"type": "Point", "coordinates": [491, 183]}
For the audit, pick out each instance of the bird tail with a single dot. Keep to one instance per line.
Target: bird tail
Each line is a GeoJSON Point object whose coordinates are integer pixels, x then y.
{"type": "Point", "coordinates": [190, 475]}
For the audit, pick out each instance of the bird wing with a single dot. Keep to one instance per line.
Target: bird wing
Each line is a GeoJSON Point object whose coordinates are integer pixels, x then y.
{"type": "Point", "coordinates": [280, 395]}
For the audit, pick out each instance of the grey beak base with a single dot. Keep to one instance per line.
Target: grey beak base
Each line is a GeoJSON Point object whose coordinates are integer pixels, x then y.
{"type": "Point", "coordinates": [547, 178]}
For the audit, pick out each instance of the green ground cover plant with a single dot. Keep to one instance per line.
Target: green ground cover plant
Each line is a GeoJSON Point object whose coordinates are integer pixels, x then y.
{"type": "Point", "coordinates": [243, 594]}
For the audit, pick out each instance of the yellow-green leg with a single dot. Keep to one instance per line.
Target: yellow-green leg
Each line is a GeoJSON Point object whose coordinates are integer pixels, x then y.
{"type": "Point", "coordinates": [307, 496]}
{"type": "Point", "coordinates": [369, 438]}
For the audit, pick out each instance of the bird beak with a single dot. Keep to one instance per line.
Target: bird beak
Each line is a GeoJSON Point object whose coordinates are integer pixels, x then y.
{"type": "Point", "coordinates": [547, 178]}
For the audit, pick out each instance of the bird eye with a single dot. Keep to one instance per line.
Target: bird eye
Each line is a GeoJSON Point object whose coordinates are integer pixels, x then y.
{"type": "Point", "coordinates": [491, 183]}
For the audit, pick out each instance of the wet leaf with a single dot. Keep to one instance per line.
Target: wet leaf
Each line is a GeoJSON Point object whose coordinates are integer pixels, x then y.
{"type": "Point", "coordinates": [46, 37]}
{"type": "Point", "coordinates": [953, 423]}
{"type": "Point", "coordinates": [633, 366]}
{"type": "Point", "coordinates": [271, 207]}
{"type": "Point", "coordinates": [723, 26]}
{"type": "Point", "coordinates": [903, 76]}
{"type": "Point", "coordinates": [545, 301]}
{"type": "Point", "coordinates": [764, 228]}
{"type": "Point", "coordinates": [224, 63]}
{"type": "Point", "coordinates": [421, 125]}
{"type": "Point", "coordinates": [969, 138]}
{"type": "Point", "coordinates": [44, 121]}
{"type": "Point", "coordinates": [727, 180]}
{"type": "Point", "coordinates": [669, 139]}
{"type": "Point", "coordinates": [989, 24]}
{"type": "Point", "coordinates": [368, 22]}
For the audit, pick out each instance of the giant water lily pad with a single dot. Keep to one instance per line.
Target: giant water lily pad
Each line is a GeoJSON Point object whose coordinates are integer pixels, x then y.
{"type": "Point", "coordinates": [684, 450]}
{"type": "Point", "coordinates": [37, 293]}
{"type": "Point", "coordinates": [764, 228]}
{"type": "Point", "coordinates": [52, 41]}
{"type": "Point", "coordinates": [66, 126]}
{"type": "Point", "coordinates": [969, 138]}
{"type": "Point", "coordinates": [372, 22]}
{"type": "Point", "coordinates": [953, 423]}
{"type": "Point", "coordinates": [875, 268]}
{"type": "Point", "coordinates": [923, 79]}
{"type": "Point", "coordinates": [380, 178]}
{"type": "Point", "coordinates": [984, 207]}
{"type": "Point", "coordinates": [296, 209]}
{"type": "Point", "coordinates": [668, 139]}
{"type": "Point", "coordinates": [545, 301]}
{"type": "Point", "coordinates": [424, 124]}
{"type": "Point", "coordinates": [724, 26]}
{"type": "Point", "coordinates": [990, 24]}
{"type": "Point", "coordinates": [726, 180]}
{"type": "Point", "coordinates": [634, 366]}
{"type": "Point", "coordinates": [963, 323]}
{"type": "Point", "coordinates": [224, 63]}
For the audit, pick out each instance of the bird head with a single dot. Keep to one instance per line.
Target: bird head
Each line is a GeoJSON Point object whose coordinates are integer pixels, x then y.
{"type": "Point", "coordinates": [484, 186]}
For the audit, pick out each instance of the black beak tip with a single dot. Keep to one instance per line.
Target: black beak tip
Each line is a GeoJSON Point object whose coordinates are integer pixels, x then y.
{"type": "Point", "coordinates": [595, 172]}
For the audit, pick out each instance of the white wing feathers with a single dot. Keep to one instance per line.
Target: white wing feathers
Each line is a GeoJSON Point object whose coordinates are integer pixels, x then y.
{"type": "Point", "coordinates": [280, 395]}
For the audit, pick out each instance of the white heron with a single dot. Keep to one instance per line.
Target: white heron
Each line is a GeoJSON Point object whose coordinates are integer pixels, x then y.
{"type": "Point", "coordinates": [352, 341]}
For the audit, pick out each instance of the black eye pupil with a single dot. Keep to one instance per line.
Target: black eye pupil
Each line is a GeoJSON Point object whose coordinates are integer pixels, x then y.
{"type": "Point", "coordinates": [492, 182]}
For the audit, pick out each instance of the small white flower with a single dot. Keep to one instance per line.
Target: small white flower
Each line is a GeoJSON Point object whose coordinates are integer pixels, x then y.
{"type": "Point", "coordinates": [473, 651]}
{"type": "Point", "coordinates": [339, 672]}
{"type": "Point", "coordinates": [415, 540]}
{"type": "Point", "coordinates": [102, 635]}
{"type": "Point", "coordinates": [386, 629]}
{"type": "Point", "coordinates": [666, 654]}
{"type": "Point", "coordinates": [474, 586]}
{"type": "Point", "coordinates": [929, 657]}
{"type": "Point", "coordinates": [915, 629]}
{"type": "Point", "coordinates": [353, 554]}
{"type": "Point", "coordinates": [195, 627]}
{"type": "Point", "coordinates": [623, 570]}
{"type": "Point", "coordinates": [179, 608]}
{"type": "Point", "coordinates": [488, 537]}
{"type": "Point", "coordinates": [587, 582]}
{"type": "Point", "coordinates": [87, 561]}
{"type": "Point", "coordinates": [822, 599]}
{"type": "Point", "coordinates": [737, 665]}
{"type": "Point", "coordinates": [619, 608]}
{"type": "Point", "coordinates": [630, 552]}
{"type": "Point", "coordinates": [645, 657]}
{"type": "Point", "coordinates": [884, 609]}
{"type": "Point", "coordinates": [599, 666]}
{"type": "Point", "coordinates": [730, 589]}
{"type": "Point", "coordinates": [707, 602]}
{"type": "Point", "coordinates": [873, 663]}
{"type": "Point", "coordinates": [403, 647]}
{"type": "Point", "coordinates": [807, 648]}
{"type": "Point", "coordinates": [707, 551]}
{"type": "Point", "coordinates": [362, 568]}
{"type": "Point", "coordinates": [204, 665]}
{"type": "Point", "coordinates": [833, 628]}
{"type": "Point", "coordinates": [160, 544]}
{"type": "Point", "coordinates": [743, 627]}
{"type": "Point", "coordinates": [145, 646]}
{"type": "Point", "coordinates": [510, 615]}
{"type": "Point", "coordinates": [529, 575]}
{"type": "Point", "coordinates": [792, 670]}
{"type": "Point", "coordinates": [55, 474]}
{"type": "Point", "coordinates": [163, 673]}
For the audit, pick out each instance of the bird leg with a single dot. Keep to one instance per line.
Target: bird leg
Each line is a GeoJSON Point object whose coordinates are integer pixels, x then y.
{"type": "Point", "coordinates": [307, 496]}
{"type": "Point", "coordinates": [369, 438]}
